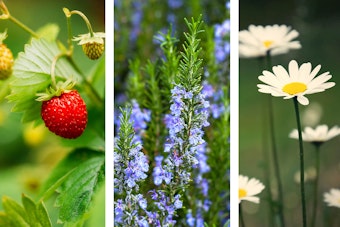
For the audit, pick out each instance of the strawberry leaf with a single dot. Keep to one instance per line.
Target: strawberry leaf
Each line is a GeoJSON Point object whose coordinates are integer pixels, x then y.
{"type": "Point", "coordinates": [76, 179]}
{"type": "Point", "coordinates": [30, 214]}
{"type": "Point", "coordinates": [78, 190]}
{"type": "Point", "coordinates": [32, 75]}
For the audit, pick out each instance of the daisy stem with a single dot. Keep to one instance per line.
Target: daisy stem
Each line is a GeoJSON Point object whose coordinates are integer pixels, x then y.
{"type": "Point", "coordinates": [276, 162]}
{"type": "Point", "coordinates": [302, 172]}
{"type": "Point", "coordinates": [274, 151]}
{"type": "Point", "coordinates": [241, 217]}
{"type": "Point", "coordinates": [316, 183]}
{"type": "Point", "coordinates": [266, 154]}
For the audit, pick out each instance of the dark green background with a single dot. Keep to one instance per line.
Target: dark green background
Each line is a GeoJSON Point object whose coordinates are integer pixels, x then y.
{"type": "Point", "coordinates": [318, 23]}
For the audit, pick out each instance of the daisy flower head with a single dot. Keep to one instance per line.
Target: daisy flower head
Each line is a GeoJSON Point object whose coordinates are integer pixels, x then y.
{"type": "Point", "coordinates": [275, 39]}
{"type": "Point", "coordinates": [296, 82]}
{"type": "Point", "coordinates": [248, 188]}
{"type": "Point", "coordinates": [318, 135]}
{"type": "Point", "coordinates": [332, 198]}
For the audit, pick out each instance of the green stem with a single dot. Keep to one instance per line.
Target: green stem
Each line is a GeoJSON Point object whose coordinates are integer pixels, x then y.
{"type": "Point", "coordinates": [23, 26]}
{"type": "Point", "coordinates": [275, 153]}
{"type": "Point", "coordinates": [242, 224]}
{"type": "Point", "coordinates": [276, 162]}
{"type": "Point", "coordinates": [302, 168]}
{"type": "Point", "coordinates": [88, 86]}
{"type": "Point", "coordinates": [266, 153]}
{"type": "Point", "coordinates": [69, 29]}
{"type": "Point", "coordinates": [317, 167]}
{"type": "Point", "coordinates": [6, 15]}
{"type": "Point", "coordinates": [77, 12]}
{"type": "Point", "coordinates": [54, 62]}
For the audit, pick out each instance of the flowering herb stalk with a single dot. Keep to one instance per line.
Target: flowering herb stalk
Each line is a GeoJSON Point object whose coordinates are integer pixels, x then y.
{"type": "Point", "coordinates": [131, 166]}
{"type": "Point", "coordinates": [188, 117]}
{"type": "Point", "coordinates": [184, 151]}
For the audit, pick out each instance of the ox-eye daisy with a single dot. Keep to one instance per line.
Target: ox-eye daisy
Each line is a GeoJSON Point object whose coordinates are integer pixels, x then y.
{"type": "Point", "coordinates": [258, 40]}
{"type": "Point", "coordinates": [318, 135]}
{"type": "Point", "coordinates": [248, 188]}
{"type": "Point", "coordinates": [332, 198]}
{"type": "Point", "coordinates": [296, 82]}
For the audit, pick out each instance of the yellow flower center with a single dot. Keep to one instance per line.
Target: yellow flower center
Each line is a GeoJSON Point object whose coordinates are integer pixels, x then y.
{"type": "Point", "coordinates": [241, 193]}
{"type": "Point", "coordinates": [294, 88]}
{"type": "Point", "coordinates": [267, 43]}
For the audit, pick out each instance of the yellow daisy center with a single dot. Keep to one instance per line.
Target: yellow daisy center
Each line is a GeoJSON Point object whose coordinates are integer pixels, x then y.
{"type": "Point", "coordinates": [241, 193]}
{"type": "Point", "coordinates": [294, 88]}
{"type": "Point", "coordinates": [267, 43]}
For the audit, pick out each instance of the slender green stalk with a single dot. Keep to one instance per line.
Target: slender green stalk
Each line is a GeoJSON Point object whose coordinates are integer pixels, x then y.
{"type": "Point", "coordinates": [302, 168]}
{"type": "Point", "coordinates": [23, 26]}
{"type": "Point", "coordinates": [274, 153]}
{"type": "Point", "coordinates": [88, 86]}
{"type": "Point", "coordinates": [266, 154]}
{"type": "Point", "coordinates": [69, 29]}
{"type": "Point", "coordinates": [77, 12]}
{"type": "Point", "coordinates": [316, 183]}
{"type": "Point", "coordinates": [242, 224]}
{"type": "Point", "coordinates": [6, 15]}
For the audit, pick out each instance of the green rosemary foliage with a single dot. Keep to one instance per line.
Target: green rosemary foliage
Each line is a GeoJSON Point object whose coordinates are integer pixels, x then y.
{"type": "Point", "coordinates": [190, 67]}
{"type": "Point", "coordinates": [169, 67]}
{"type": "Point", "coordinates": [126, 134]}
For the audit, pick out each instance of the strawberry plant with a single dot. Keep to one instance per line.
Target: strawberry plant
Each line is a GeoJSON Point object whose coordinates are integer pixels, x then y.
{"type": "Point", "coordinates": [52, 119]}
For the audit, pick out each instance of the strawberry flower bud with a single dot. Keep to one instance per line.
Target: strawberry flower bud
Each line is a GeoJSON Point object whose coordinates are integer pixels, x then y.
{"type": "Point", "coordinates": [93, 46]}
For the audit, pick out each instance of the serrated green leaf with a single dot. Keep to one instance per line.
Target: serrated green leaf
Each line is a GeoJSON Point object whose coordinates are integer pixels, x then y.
{"type": "Point", "coordinates": [42, 215]}
{"type": "Point", "coordinates": [49, 32]}
{"type": "Point", "coordinates": [30, 209]}
{"type": "Point", "coordinates": [83, 170]}
{"type": "Point", "coordinates": [30, 215]}
{"type": "Point", "coordinates": [69, 163]}
{"type": "Point", "coordinates": [15, 212]}
{"type": "Point", "coordinates": [32, 75]}
{"type": "Point", "coordinates": [77, 191]}
{"type": "Point", "coordinates": [37, 215]}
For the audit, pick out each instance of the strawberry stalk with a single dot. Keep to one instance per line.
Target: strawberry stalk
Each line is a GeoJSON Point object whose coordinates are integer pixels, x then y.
{"type": "Point", "coordinates": [91, 92]}
{"type": "Point", "coordinates": [68, 15]}
{"type": "Point", "coordinates": [6, 15]}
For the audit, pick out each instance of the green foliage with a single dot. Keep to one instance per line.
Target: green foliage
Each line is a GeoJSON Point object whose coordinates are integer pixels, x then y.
{"type": "Point", "coordinates": [190, 66]}
{"type": "Point", "coordinates": [126, 134]}
{"type": "Point", "coordinates": [30, 214]}
{"type": "Point", "coordinates": [32, 71]}
{"type": "Point", "coordinates": [76, 179]}
{"type": "Point", "coordinates": [97, 217]}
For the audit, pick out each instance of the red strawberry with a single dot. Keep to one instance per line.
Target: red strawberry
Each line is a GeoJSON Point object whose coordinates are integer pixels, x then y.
{"type": "Point", "coordinates": [65, 115]}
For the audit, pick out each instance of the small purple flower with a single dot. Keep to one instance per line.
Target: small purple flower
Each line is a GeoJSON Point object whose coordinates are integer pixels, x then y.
{"type": "Point", "coordinates": [159, 174]}
{"type": "Point", "coordinates": [222, 30]}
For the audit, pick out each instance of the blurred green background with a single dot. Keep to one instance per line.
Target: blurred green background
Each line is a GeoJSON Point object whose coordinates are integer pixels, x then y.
{"type": "Point", "coordinates": [318, 24]}
{"type": "Point", "coordinates": [27, 153]}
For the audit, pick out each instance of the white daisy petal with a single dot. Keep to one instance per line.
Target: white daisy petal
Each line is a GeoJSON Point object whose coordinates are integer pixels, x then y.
{"type": "Point", "coordinates": [249, 188]}
{"type": "Point", "coordinates": [302, 100]}
{"type": "Point", "coordinates": [332, 198]}
{"type": "Point", "coordinates": [320, 134]}
{"type": "Point", "coordinates": [293, 69]}
{"type": "Point", "coordinates": [274, 39]}
{"type": "Point", "coordinates": [296, 82]}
